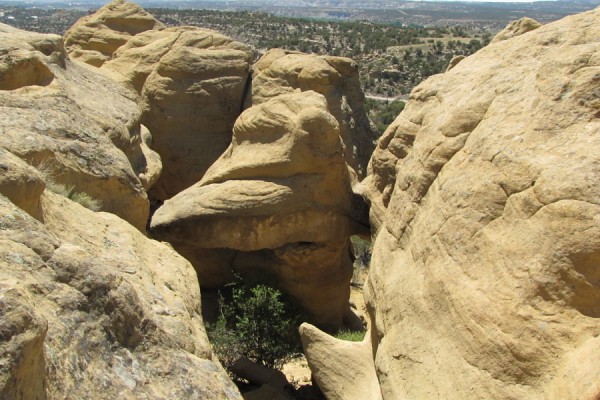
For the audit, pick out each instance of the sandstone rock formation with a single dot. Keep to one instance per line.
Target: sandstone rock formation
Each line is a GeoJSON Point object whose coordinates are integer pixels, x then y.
{"type": "Point", "coordinates": [190, 103]}
{"type": "Point", "coordinates": [297, 210]}
{"type": "Point", "coordinates": [90, 307]}
{"type": "Point", "coordinates": [485, 277]}
{"type": "Point", "coordinates": [81, 128]}
{"type": "Point", "coordinates": [95, 38]}
{"type": "Point", "coordinates": [192, 82]}
{"type": "Point", "coordinates": [343, 370]}
{"type": "Point", "coordinates": [93, 309]}
{"type": "Point", "coordinates": [279, 72]}
{"type": "Point", "coordinates": [516, 28]}
{"type": "Point", "coordinates": [279, 200]}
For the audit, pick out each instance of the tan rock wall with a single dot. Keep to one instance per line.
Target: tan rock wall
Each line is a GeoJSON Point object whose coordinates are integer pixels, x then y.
{"type": "Point", "coordinates": [192, 83]}
{"type": "Point", "coordinates": [81, 129]}
{"type": "Point", "coordinates": [93, 309]}
{"type": "Point", "coordinates": [484, 278]}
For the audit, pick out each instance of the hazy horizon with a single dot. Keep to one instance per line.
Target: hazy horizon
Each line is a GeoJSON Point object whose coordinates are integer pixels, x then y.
{"type": "Point", "coordinates": [442, 1]}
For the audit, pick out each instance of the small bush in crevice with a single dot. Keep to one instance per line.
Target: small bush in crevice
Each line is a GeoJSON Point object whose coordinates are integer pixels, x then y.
{"type": "Point", "coordinates": [47, 169]}
{"type": "Point", "coordinates": [350, 335]}
{"type": "Point", "coordinates": [257, 322]}
{"type": "Point", "coordinates": [78, 197]}
{"type": "Point", "coordinates": [361, 251]}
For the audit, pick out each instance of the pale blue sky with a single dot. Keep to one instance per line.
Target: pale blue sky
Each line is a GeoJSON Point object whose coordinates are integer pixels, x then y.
{"type": "Point", "coordinates": [493, 1]}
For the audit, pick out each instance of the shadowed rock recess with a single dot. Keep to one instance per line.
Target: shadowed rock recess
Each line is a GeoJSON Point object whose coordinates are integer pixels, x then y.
{"type": "Point", "coordinates": [279, 201]}
{"type": "Point", "coordinates": [485, 196]}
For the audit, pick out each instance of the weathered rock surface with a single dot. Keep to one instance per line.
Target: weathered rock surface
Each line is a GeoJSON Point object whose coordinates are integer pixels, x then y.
{"type": "Point", "coordinates": [485, 277]}
{"type": "Point", "coordinates": [344, 370]}
{"type": "Point", "coordinates": [190, 103]}
{"type": "Point", "coordinates": [93, 309]}
{"type": "Point", "coordinates": [95, 38]}
{"type": "Point", "coordinates": [516, 28]}
{"type": "Point", "coordinates": [21, 183]}
{"type": "Point", "coordinates": [279, 200]}
{"type": "Point", "coordinates": [265, 392]}
{"type": "Point", "coordinates": [279, 72]}
{"type": "Point", "coordinates": [259, 374]}
{"type": "Point", "coordinates": [90, 307]}
{"type": "Point", "coordinates": [192, 84]}
{"type": "Point", "coordinates": [81, 128]}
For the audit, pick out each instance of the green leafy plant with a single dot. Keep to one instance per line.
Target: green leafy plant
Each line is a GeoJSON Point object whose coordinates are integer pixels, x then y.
{"type": "Point", "coordinates": [258, 322]}
{"type": "Point", "coordinates": [349, 335]}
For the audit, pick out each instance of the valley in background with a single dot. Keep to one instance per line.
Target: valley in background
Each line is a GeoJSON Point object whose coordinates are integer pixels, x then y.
{"type": "Point", "coordinates": [396, 44]}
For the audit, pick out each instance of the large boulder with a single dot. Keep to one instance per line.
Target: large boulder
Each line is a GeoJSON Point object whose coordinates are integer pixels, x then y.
{"type": "Point", "coordinates": [344, 370]}
{"type": "Point", "coordinates": [79, 128]}
{"type": "Point", "coordinates": [95, 38]}
{"type": "Point", "coordinates": [279, 201]}
{"type": "Point", "coordinates": [485, 276]}
{"type": "Point", "coordinates": [93, 309]}
{"type": "Point", "coordinates": [280, 71]}
{"type": "Point", "coordinates": [192, 83]}
{"type": "Point", "coordinates": [190, 102]}
{"type": "Point", "coordinates": [516, 28]}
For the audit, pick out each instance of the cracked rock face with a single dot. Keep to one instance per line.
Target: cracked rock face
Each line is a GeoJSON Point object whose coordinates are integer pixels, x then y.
{"type": "Point", "coordinates": [91, 308]}
{"type": "Point", "coordinates": [192, 84]}
{"type": "Point", "coordinates": [485, 277]}
{"type": "Point", "coordinates": [79, 127]}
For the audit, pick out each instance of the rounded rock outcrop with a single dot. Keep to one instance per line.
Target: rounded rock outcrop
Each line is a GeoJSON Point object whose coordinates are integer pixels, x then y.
{"type": "Point", "coordinates": [95, 38]}
{"type": "Point", "coordinates": [191, 83]}
{"type": "Point", "coordinates": [280, 71]}
{"type": "Point", "coordinates": [278, 199]}
{"type": "Point", "coordinates": [81, 129]}
{"type": "Point", "coordinates": [484, 281]}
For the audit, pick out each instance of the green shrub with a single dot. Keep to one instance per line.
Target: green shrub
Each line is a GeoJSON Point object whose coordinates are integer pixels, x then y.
{"type": "Point", "coordinates": [225, 343]}
{"type": "Point", "coordinates": [86, 200]}
{"type": "Point", "coordinates": [351, 336]}
{"type": "Point", "coordinates": [257, 322]}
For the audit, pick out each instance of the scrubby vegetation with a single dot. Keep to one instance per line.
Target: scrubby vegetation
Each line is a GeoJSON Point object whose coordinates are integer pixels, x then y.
{"type": "Point", "coordinates": [383, 113]}
{"type": "Point", "coordinates": [258, 322]}
{"type": "Point", "coordinates": [351, 336]}
{"type": "Point", "coordinates": [392, 58]}
{"type": "Point", "coordinates": [48, 171]}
